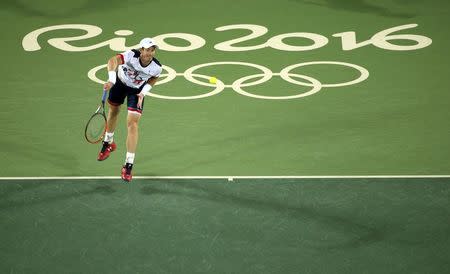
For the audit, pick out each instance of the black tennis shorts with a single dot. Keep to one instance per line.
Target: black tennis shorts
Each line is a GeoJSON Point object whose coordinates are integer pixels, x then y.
{"type": "Point", "coordinates": [120, 91]}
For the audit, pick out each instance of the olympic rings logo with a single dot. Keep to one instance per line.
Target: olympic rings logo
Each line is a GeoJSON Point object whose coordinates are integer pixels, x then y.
{"type": "Point", "coordinates": [243, 82]}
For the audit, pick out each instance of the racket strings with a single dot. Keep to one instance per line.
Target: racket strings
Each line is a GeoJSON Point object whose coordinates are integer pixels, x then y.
{"type": "Point", "coordinates": [95, 128]}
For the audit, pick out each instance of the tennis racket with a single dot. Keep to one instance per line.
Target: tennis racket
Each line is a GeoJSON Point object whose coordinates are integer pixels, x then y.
{"type": "Point", "coordinates": [96, 126]}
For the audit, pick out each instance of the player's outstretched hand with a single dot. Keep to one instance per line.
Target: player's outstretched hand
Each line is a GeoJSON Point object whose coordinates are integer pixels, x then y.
{"type": "Point", "coordinates": [140, 99]}
{"type": "Point", "coordinates": [107, 86]}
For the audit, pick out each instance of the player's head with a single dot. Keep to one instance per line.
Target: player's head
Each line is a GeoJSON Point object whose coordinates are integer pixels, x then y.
{"type": "Point", "coordinates": [147, 43]}
{"type": "Point", "coordinates": [148, 49]}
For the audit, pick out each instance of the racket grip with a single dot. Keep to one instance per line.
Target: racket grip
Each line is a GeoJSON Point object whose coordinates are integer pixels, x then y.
{"type": "Point", "coordinates": [105, 92]}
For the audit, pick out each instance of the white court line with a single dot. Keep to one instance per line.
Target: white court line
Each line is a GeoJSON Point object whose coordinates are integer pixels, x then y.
{"type": "Point", "coordinates": [225, 177]}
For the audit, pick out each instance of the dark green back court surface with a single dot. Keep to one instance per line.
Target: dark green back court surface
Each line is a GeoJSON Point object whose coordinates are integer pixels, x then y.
{"type": "Point", "coordinates": [212, 226]}
{"type": "Point", "coordinates": [387, 116]}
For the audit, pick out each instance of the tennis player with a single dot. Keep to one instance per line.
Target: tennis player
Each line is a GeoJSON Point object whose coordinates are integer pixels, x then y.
{"type": "Point", "coordinates": [131, 74]}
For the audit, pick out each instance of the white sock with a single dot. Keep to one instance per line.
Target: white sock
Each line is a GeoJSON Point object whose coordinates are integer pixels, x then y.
{"type": "Point", "coordinates": [109, 137]}
{"type": "Point", "coordinates": [130, 158]}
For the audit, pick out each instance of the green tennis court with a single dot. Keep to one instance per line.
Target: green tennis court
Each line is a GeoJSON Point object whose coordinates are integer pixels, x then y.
{"type": "Point", "coordinates": [330, 116]}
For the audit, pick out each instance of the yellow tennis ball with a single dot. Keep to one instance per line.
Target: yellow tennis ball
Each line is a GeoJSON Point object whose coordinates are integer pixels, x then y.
{"type": "Point", "coordinates": [212, 80]}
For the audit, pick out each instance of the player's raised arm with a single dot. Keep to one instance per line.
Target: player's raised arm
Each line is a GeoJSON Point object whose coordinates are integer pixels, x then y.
{"type": "Point", "coordinates": [113, 64]}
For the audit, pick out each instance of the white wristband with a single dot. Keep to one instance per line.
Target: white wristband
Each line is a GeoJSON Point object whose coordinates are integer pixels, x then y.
{"type": "Point", "coordinates": [112, 77]}
{"type": "Point", "coordinates": [146, 90]}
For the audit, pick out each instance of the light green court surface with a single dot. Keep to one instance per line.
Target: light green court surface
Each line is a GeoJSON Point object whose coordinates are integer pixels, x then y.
{"type": "Point", "coordinates": [372, 87]}
{"type": "Point", "coordinates": [395, 122]}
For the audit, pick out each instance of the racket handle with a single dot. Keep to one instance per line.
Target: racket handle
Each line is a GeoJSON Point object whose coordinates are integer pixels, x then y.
{"type": "Point", "coordinates": [105, 92]}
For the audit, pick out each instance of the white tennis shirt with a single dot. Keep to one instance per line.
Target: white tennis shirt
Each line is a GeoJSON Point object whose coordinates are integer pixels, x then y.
{"type": "Point", "coordinates": [132, 73]}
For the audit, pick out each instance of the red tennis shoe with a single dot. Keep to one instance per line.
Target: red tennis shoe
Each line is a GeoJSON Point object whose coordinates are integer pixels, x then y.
{"type": "Point", "coordinates": [126, 172]}
{"type": "Point", "coordinates": [107, 148]}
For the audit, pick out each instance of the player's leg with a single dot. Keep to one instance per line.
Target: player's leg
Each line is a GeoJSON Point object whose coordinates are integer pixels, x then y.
{"type": "Point", "coordinates": [116, 98]}
{"type": "Point", "coordinates": [134, 115]}
{"type": "Point", "coordinates": [111, 122]}
{"type": "Point", "coordinates": [133, 134]}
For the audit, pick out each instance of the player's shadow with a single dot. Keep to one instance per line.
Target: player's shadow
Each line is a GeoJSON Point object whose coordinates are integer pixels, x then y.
{"type": "Point", "coordinates": [7, 202]}
{"type": "Point", "coordinates": [357, 234]}
{"type": "Point", "coordinates": [11, 188]}
{"type": "Point", "coordinates": [361, 6]}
